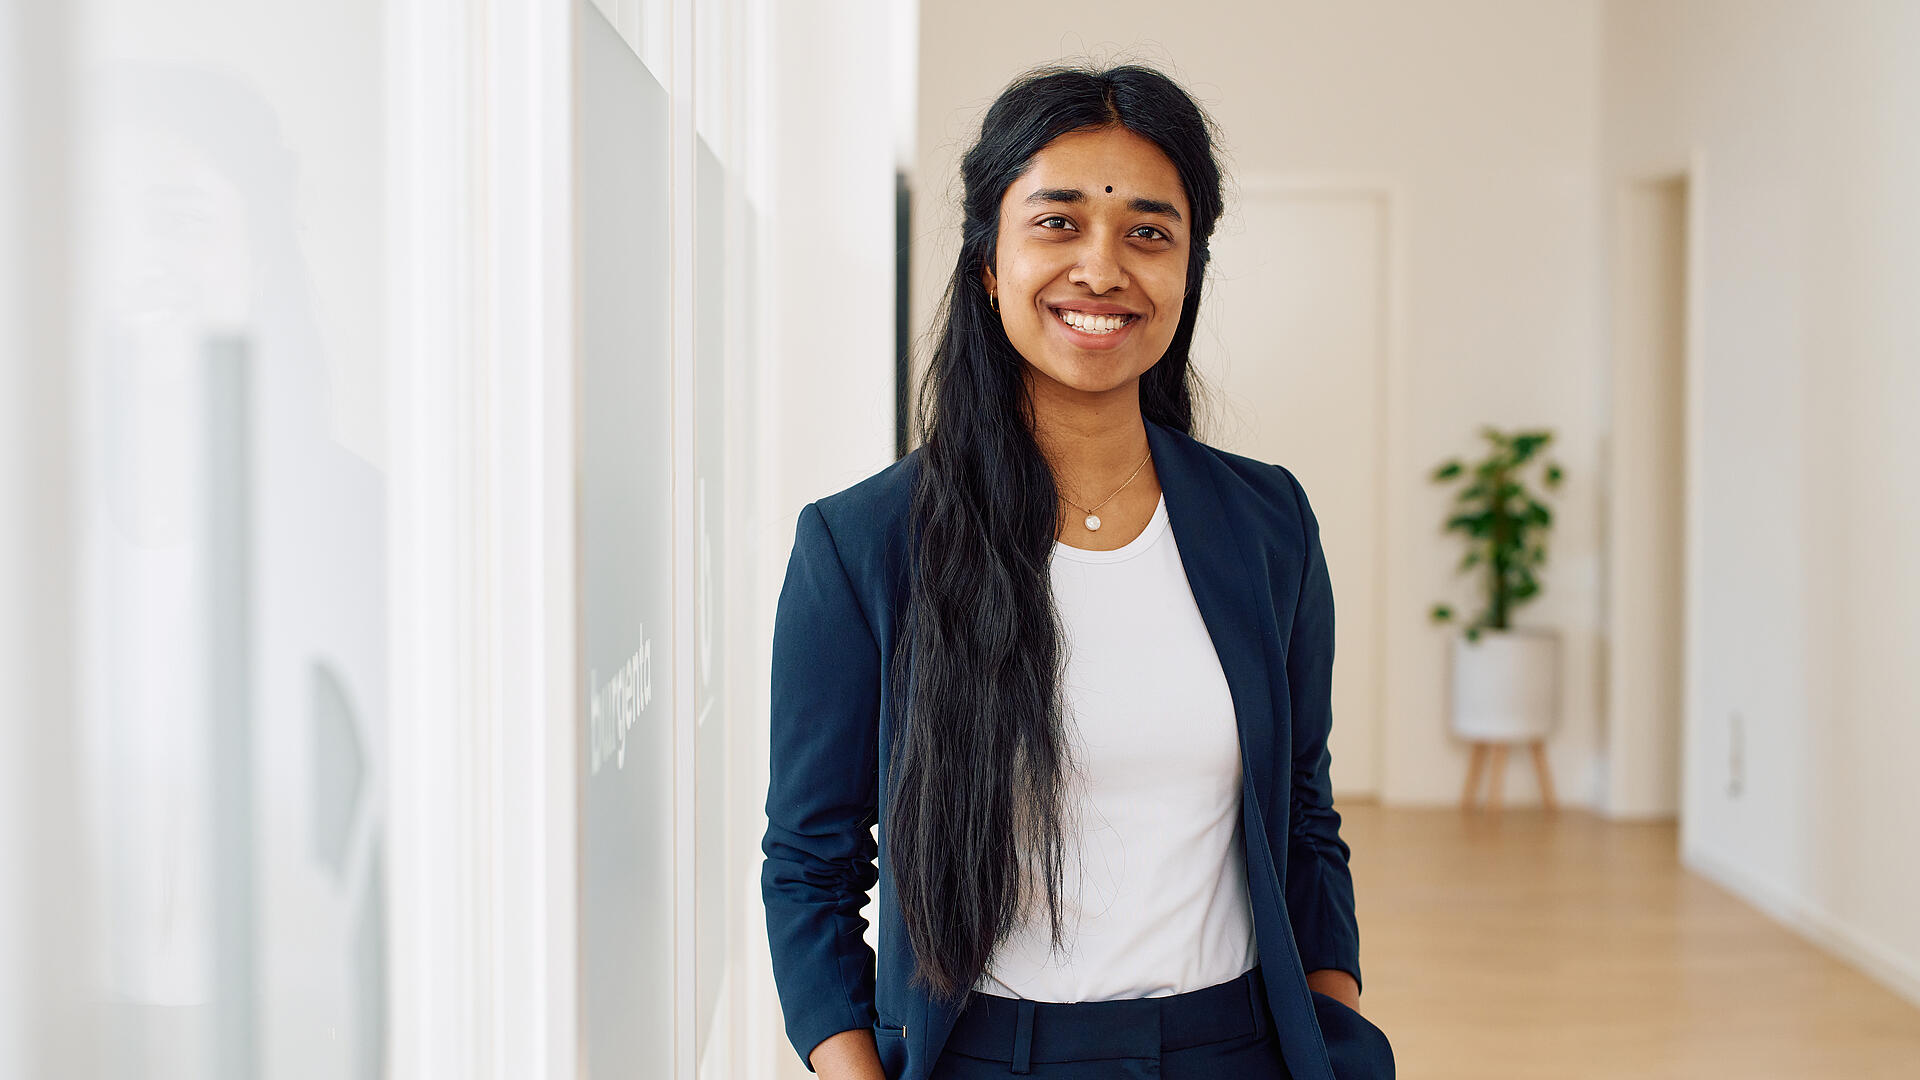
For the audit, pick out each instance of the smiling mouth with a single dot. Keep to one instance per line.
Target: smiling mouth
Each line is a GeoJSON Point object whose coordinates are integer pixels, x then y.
{"type": "Point", "coordinates": [1096, 325]}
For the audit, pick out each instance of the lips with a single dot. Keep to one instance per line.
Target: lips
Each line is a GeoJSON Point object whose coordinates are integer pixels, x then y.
{"type": "Point", "coordinates": [1090, 308]}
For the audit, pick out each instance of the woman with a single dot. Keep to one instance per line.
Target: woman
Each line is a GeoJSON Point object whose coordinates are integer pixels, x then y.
{"type": "Point", "coordinates": [1107, 845]}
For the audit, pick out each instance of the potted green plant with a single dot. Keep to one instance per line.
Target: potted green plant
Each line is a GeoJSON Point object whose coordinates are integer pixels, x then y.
{"type": "Point", "coordinates": [1505, 677]}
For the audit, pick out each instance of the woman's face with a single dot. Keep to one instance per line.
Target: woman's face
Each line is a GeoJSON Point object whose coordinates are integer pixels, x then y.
{"type": "Point", "coordinates": [1095, 228]}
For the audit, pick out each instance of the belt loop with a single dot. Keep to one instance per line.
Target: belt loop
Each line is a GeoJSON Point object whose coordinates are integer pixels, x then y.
{"type": "Point", "coordinates": [1023, 1038]}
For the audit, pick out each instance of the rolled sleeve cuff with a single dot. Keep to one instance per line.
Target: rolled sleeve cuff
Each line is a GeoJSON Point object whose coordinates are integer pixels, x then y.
{"type": "Point", "coordinates": [817, 1024]}
{"type": "Point", "coordinates": [1320, 905]}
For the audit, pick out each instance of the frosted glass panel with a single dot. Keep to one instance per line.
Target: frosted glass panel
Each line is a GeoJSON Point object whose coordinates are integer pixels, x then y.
{"type": "Point", "coordinates": [233, 598]}
{"type": "Point", "coordinates": [626, 917]}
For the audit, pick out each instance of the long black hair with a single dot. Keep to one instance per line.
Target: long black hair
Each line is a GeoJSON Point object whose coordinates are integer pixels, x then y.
{"type": "Point", "coordinates": [979, 758]}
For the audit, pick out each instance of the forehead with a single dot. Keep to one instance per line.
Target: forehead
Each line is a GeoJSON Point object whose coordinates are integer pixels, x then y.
{"type": "Point", "coordinates": [1091, 160]}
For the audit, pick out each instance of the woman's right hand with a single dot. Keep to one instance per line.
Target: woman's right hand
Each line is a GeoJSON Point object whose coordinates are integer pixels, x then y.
{"type": "Point", "coordinates": [849, 1055]}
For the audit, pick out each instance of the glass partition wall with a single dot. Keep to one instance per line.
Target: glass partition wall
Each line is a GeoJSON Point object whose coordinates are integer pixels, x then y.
{"type": "Point", "coordinates": [427, 467]}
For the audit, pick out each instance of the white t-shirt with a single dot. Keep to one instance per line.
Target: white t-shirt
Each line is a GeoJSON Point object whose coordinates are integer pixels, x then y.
{"type": "Point", "coordinates": [1155, 894]}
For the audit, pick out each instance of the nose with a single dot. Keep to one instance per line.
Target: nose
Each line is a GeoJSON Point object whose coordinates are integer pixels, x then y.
{"type": "Point", "coordinates": [1099, 270]}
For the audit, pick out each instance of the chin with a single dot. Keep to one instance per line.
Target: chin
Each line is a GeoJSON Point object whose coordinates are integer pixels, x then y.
{"type": "Point", "coordinates": [1091, 380]}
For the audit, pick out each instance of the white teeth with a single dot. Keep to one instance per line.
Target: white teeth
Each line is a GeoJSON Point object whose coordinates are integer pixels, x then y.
{"type": "Point", "coordinates": [1092, 324]}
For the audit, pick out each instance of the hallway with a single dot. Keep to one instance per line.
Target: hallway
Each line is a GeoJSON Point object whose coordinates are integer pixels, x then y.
{"type": "Point", "coordinates": [411, 411]}
{"type": "Point", "coordinates": [1522, 945]}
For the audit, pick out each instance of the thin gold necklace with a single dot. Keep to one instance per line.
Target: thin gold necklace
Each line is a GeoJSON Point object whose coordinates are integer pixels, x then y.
{"type": "Point", "coordinates": [1093, 520]}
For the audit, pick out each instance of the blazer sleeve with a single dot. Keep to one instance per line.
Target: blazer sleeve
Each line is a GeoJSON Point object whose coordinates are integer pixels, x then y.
{"type": "Point", "coordinates": [821, 794]}
{"type": "Point", "coordinates": [1319, 882]}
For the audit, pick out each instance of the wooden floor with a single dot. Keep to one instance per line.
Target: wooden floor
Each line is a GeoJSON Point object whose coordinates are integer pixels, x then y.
{"type": "Point", "coordinates": [1541, 947]}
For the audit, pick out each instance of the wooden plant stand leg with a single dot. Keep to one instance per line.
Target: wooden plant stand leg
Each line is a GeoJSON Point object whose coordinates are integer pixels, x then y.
{"type": "Point", "coordinates": [1546, 778]}
{"type": "Point", "coordinates": [1473, 775]}
{"type": "Point", "coordinates": [1499, 764]}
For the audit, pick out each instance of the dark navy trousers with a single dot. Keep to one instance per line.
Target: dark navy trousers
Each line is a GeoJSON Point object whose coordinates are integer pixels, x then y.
{"type": "Point", "coordinates": [1217, 1033]}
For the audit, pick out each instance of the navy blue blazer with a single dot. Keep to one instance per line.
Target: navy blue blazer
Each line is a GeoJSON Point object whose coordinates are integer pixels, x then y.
{"type": "Point", "coordinates": [1251, 548]}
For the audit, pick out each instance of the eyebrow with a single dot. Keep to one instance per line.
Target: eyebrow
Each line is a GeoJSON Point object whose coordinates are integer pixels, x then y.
{"type": "Point", "coordinates": [1137, 204]}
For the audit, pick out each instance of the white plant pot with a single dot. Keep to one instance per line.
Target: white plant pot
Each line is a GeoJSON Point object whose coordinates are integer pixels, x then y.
{"type": "Point", "coordinates": [1506, 686]}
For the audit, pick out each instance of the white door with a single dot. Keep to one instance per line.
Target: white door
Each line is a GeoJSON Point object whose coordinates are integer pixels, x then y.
{"type": "Point", "coordinates": [1293, 340]}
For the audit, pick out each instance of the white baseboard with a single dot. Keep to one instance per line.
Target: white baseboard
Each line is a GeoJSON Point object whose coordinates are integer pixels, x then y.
{"type": "Point", "coordinates": [1854, 946]}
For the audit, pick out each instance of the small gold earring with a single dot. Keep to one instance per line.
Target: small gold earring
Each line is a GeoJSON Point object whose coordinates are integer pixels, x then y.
{"type": "Point", "coordinates": [993, 301]}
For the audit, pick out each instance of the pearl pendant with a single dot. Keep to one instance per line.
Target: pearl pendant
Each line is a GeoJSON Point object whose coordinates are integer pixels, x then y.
{"type": "Point", "coordinates": [1093, 523]}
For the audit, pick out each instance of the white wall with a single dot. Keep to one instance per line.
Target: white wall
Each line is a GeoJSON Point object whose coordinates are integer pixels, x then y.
{"type": "Point", "coordinates": [1482, 117]}
{"type": "Point", "coordinates": [1805, 511]}
{"type": "Point", "coordinates": [830, 258]}
{"type": "Point", "coordinates": [821, 385]}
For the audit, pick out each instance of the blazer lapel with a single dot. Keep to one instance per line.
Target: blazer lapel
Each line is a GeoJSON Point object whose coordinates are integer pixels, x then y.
{"type": "Point", "coordinates": [1222, 573]}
